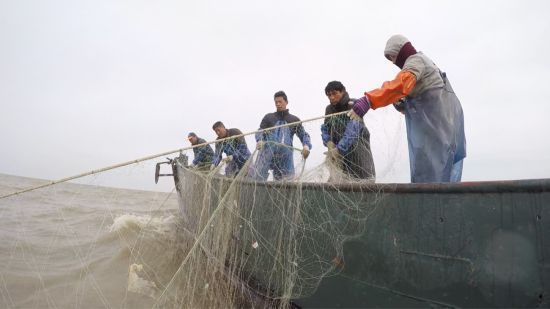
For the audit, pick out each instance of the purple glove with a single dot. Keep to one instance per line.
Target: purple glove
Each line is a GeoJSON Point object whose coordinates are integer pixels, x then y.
{"type": "Point", "coordinates": [361, 106]}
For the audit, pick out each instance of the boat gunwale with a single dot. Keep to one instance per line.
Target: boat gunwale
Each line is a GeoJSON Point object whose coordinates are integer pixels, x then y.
{"type": "Point", "coordinates": [498, 186]}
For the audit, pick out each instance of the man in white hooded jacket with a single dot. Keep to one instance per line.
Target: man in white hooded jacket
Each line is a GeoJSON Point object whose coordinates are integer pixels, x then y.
{"type": "Point", "coordinates": [434, 118]}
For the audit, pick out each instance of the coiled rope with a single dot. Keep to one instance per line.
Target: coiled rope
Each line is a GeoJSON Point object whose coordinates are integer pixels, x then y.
{"type": "Point", "coordinates": [104, 169]}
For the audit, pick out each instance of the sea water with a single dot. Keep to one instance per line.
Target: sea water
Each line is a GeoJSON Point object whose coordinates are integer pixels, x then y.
{"type": "Point", "coordinates": [82, 246]}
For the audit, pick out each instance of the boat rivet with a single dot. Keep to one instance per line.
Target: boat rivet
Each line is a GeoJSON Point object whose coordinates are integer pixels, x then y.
{"type": "Point", "coordinates": [539, 217]}
{"type": "Point", "coordinates": [441, 219]}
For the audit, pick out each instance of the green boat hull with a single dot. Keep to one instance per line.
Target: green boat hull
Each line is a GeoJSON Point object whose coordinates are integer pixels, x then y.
{"type": "Point", "coordinates": [473, 244]}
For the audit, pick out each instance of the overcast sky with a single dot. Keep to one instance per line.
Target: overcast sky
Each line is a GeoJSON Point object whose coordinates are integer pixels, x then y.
{"type": "Point", "coordinates": [86, 84]}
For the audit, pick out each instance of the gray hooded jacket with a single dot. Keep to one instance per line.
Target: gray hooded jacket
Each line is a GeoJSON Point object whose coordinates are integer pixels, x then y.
{"type": "Point", "coordinates": [427, 73]}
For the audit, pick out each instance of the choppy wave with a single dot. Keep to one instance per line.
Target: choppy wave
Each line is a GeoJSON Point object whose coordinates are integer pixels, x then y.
{"type": "Point", "coordinates": [85, 247]}
{"type": "Point", "coordinates": [161, 225]}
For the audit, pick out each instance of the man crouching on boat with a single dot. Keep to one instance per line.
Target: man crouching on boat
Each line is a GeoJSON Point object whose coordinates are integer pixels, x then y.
{"type": "Point", "coordinates": [347, 140]}
{"type": "Point", "coordinates": [203, 155]}
{"type": "Point", "coordinates": [235, 149]}
{"type": "Point", "coordinates": [275, 146]}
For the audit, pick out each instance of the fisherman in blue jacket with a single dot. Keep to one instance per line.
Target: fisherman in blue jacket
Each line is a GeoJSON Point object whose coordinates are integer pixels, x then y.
{"type": "Point", "coordinates": [347, 140]}
{"type": "Point", "coordinates": [235, 149]}
{"type": "Point", "coordinates": [275, 146]}
{"type": "Point", "coordinates": [203, 155]}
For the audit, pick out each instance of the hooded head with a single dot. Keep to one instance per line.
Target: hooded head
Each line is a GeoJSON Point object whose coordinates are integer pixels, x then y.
{"type": "Point", "coordinates": [398, 49]}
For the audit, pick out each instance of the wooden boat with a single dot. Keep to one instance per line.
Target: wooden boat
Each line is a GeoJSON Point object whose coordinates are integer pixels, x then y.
{"type": "Point", "coordinates": [469, 244]}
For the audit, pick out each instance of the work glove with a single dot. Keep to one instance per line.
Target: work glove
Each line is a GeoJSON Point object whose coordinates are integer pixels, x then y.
{"type": "Point", "coordinates": [360, 108]}
{"type": "Point", "coordinates": [227, 159]}
{"type": "Point", "coordinates": [260, 145]}
{"type": "Point", "coordinates": [353, 116]}
{"type": "Point", "coordinates": [333, 155]}
{"type": "Point", "coordinates": [400, 105]}
{"type": "Point", "coordinates": [305, 151]}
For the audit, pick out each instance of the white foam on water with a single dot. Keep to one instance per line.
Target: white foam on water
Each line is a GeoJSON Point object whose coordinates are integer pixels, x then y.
{"type": "Point", "coordinates": [159, 224]}
{"type": "Point", "coordinates": [137, 284]}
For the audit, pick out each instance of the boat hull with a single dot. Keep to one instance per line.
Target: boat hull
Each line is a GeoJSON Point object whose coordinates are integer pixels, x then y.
{"type": "Point", "coordinates": [479, 244]}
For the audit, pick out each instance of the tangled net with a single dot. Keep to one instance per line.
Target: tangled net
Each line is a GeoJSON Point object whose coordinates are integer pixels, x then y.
{"type": "Point", "coordinates": [226, 242]}
{"type": "Point", "coordinates": [256, 243]}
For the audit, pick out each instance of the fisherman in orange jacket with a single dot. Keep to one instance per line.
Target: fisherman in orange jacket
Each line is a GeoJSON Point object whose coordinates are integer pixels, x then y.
{"type": "Point", "coordinates": [434, 118]}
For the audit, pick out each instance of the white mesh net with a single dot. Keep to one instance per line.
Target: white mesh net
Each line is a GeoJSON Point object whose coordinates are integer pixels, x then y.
{"type": "Point", "coordinates": [213, 241]}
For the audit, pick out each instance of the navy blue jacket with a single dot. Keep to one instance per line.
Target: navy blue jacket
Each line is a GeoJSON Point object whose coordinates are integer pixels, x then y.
{"type": "Point", "coordinates": [235, 147]}
{"type": "Point", "coordinates": [277, 153]}
{"type": "Point", "coordinates": [202, 155]}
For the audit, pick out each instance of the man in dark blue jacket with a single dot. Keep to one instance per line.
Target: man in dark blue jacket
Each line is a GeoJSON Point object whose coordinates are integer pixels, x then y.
{"type": "Point", "coordinates": [235, 149]}
{"type": "Point", "coordinates": [347, 140]}
{"type": "Point", "coordinates": [275, 146]}
{"type": "Point", "coordinates": [203, 155]}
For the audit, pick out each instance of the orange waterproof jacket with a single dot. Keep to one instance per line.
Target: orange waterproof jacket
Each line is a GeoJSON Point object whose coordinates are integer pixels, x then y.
{"type": "Point", "coordinates": [392, 91]}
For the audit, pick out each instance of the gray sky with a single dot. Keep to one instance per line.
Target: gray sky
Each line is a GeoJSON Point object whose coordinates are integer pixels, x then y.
{"type": "Point", "coordinates": [86, 84]}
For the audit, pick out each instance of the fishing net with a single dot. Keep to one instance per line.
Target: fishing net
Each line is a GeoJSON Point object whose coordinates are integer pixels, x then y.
{"type": "Point", "coordinates": [257, 243]}
{"type": "Point", "coordinates": [213, 241]}
{"type": "Point", "coordinates": [254, 241]}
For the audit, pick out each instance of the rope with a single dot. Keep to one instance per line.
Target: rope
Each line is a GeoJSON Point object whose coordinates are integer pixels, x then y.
{"type": "Point", "coordinates": [104, 169]}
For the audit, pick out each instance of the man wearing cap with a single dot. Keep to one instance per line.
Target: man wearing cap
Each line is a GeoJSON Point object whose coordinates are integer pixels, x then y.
{"type": "Point", "coordinates": [235, 149]}
{"type": "Point", "coordinates": [433, 113]}
{"type": "Point", "coordinates": [275, 146]}
{"type": "Point", "coordinates": [203, 155]}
